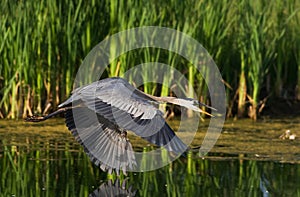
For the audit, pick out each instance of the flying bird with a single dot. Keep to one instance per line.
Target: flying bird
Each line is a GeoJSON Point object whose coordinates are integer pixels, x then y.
{"type": "Point", "coordinates": [100, 114]}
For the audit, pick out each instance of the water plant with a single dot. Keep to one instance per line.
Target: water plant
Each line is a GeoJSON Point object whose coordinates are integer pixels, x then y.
{"type": "Point", "coordinates": [254, 43]}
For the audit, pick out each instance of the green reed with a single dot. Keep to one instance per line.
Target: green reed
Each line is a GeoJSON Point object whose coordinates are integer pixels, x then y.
{"type": "Point", "coordinates": [254, 43]}
{"type": "Point", "coordinates": [56, 168]}
{"type": "Point", "coordinates": [44, 171]}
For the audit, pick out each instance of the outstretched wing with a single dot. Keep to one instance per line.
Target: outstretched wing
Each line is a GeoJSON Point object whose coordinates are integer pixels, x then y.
{"type": "Point", "coordinates": [120, 103]}
{"type": "Point", "coordinates": [118, 93]}
{"type": "Point", "coordinates": [154, 130]}
{"type": "Point", "coordinates": [103, 142]}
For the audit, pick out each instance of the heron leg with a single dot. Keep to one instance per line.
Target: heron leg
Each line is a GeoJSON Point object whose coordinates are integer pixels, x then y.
{"type": "Point", "coordinates": [42, 118]}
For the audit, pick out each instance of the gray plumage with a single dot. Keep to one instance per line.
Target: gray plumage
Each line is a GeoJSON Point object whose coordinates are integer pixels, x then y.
{"type": "Point", "coordinates": [99, 114]}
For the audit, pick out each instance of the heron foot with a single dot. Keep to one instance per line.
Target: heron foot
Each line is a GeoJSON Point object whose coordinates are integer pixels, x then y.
{"type": "Point", "coordinates": [34, 118]}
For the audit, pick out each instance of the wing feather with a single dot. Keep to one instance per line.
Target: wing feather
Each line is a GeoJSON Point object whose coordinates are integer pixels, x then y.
{"type": "Point", "coordinates": [121, 104]}
{"type": "Point", "coordinates": [118, 93]}
{"type": "Point", "coordinates": [154, 130]}
{"type": "Point", "coordinates": [102, 141]}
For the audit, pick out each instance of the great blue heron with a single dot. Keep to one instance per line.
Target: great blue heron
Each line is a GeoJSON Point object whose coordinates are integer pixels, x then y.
{"type": "Point", "coordinates": [99, 114]}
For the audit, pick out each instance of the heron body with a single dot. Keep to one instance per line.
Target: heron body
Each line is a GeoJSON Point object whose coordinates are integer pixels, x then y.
{"type": "Point", "coordinates": [100, 114]}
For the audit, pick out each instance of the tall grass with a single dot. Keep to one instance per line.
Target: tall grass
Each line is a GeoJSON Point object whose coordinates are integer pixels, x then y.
{"type": "Point", "coordinates": [254, 43]}
{"type": "Point", "coordinates": [49, 168]}
{"type": "Point", "coordinates": [45, 172]}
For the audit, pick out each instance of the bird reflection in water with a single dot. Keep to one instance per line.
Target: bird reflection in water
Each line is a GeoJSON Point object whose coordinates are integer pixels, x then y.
{"type": "Point", "coordinates": [116, 188]}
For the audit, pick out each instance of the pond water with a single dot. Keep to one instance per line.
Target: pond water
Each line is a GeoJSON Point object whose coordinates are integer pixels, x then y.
{"type": "Point", "coordinates": [249, 159]}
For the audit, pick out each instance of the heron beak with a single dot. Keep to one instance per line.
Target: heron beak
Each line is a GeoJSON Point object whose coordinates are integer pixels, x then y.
{"type": "Point", "coordinates": [207, 106]}
{"type": "Point", "coordinates": [197, 103]}
{"type": "Point", "coordinates": [204, 112]}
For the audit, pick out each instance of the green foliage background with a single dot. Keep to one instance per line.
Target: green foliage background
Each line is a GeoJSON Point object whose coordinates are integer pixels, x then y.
{"type": "Point", "coordinates": [254, 43]}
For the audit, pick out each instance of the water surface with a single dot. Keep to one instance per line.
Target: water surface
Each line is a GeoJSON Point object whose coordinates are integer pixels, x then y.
{"type": "Point", "coordinates": [249, 159]}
